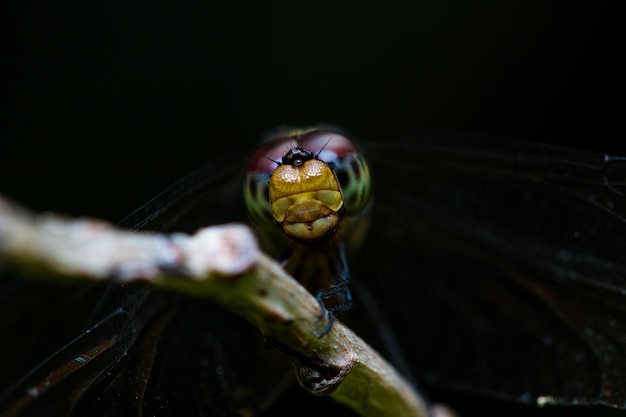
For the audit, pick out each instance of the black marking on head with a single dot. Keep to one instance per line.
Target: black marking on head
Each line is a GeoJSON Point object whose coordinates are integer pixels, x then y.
{"type": "Point", "coordinates": [297, 157]}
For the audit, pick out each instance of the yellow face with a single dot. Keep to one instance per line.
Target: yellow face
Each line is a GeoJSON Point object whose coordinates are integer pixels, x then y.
{"type": "Point", "coordinates": [306, 200]}
{"type": "Point", "coordinates": [309, 186]}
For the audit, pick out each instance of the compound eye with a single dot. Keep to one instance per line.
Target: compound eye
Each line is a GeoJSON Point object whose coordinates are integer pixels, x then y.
{"type": "Point", "coordinates": [256, 196]}
{"type": "Point", "coordinates": [354, 179]}
{"type": "Point", "coordinates": [260, 169]}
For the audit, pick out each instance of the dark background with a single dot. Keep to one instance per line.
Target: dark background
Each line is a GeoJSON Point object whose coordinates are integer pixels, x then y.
{"type": "Point", "coordinates": [107, 103]}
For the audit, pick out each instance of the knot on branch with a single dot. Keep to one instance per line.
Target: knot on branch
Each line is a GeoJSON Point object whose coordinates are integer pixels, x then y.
{"type": "Point", "coordinates": [322, 378]}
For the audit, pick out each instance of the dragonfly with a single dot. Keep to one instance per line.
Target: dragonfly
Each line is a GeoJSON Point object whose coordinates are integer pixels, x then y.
{"type": "Point", "coordinates": [492, 269]}
{"type": "Point", "coordinates": [318, 193]}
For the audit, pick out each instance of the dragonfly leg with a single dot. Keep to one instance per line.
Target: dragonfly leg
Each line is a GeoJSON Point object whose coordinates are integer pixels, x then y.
{"type": "Point", "coordinates": [329, 324]}
{"type": "Point", "coordinates": [330, 312]}
{"type": "Point", "coordinates": [341, 289]}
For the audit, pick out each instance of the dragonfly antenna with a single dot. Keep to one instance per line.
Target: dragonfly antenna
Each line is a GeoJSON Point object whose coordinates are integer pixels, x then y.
{"type": "Point", "coordinates": [320, 151]}
{"type": "Point", "coordinates": [274, 161]}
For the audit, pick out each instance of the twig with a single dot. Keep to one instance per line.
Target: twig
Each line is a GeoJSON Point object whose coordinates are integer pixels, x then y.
{"type": "Point", "coordinates": [224, 264]}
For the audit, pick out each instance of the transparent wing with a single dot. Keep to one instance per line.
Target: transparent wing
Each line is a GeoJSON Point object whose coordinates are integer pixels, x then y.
{"type": "Point", "coordinates": [85, 360]}
{"type": "Point", "coordinates": [500, 266]}
{"type": "Point", "coordinates": [136, 350]}
{"type": "Point", "coordinates": [213, 193]}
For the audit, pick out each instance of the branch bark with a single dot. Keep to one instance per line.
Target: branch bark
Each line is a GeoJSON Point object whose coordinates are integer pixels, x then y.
{"type": "Point", "coordinates": [223, 264]}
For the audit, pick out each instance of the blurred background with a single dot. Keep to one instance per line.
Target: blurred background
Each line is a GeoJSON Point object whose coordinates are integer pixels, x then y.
{"type": "Point", "coordinates": [107, 103]}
